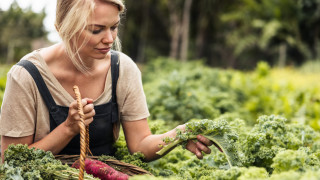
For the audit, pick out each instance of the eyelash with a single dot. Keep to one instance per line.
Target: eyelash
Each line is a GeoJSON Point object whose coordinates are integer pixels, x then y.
{"type": "Point", "coordinates": [98, 31]}
{"type": "Point", "coordinates": [114, 28]}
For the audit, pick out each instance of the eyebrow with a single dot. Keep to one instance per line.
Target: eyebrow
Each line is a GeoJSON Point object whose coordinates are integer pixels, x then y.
{"type": "Point", "coordinates": [102, 26]}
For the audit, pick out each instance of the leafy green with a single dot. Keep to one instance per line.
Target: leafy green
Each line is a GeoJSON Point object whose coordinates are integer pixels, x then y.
{"type": "Point", "coordinates": [123, 154]}
{"type": "Point", "coordinates": [271, 136]}
{"type": "Point", "coordinates": [217, 131]}
{"type": "Point", "coordinates": [22, 162]}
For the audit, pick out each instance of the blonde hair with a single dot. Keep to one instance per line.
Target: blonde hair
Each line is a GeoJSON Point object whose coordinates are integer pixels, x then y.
{"type": "Point", "coordinates": [72, 19]}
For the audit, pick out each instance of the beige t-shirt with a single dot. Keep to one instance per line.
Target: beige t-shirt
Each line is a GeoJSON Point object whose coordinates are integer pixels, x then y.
{"type": "Point", "coordinates": [23, 105]}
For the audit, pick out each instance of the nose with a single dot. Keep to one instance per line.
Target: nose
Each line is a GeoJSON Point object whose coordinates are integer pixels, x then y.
{"type": "Point", "coordinates": [107, 38]}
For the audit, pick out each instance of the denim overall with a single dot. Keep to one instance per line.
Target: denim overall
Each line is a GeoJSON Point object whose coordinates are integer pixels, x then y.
{"type": "Point", "coordinates": [100, 130]}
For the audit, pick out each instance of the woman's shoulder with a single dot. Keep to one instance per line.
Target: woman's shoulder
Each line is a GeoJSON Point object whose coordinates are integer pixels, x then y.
{"type": "Point", "coordinates": [124, 58]}
{"type": "Point", "coordinates": [127, 65]}
{"type": "Point", "coordinates": [18, 72]}
{"type": "Point", "coordinates": [32, 57]}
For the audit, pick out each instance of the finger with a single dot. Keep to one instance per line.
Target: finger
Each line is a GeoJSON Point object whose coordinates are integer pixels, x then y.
{"type": "Point", "coordinates": [88, 108]}
{"type": "Point", "coordinates": [198, 154]}
{"type": "Point", "coordinates": [204, 140]}
{"type": "Point", "coordinates": [203, 148]}
{"type": "Point", "coordinates": [89, 101]}
{"type": "Point", "coordinates": [88, 121]}
{"type": "Point", "coordinates": [84, 102]}
{"type": "Point", "coordinates": [89, 114]}
{"type": "Point", "coordinates": [74, 105]}
{"type": "Point", "coordinates": [192, 147]}
{"type": "Point", "coordinates": [73, 111]}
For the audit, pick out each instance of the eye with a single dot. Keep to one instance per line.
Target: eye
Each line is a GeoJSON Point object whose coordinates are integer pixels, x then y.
{"type": "Point", "coordinates": [96, 31]}
{"type": "Point", "coordinates": [114, 28]}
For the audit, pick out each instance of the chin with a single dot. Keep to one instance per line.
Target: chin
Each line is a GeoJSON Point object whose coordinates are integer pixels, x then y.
{"type": "Point", "coordinates": [99, 56]}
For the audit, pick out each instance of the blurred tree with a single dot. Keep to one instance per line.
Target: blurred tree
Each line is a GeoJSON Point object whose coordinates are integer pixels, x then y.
{"type": "Point", "coordinates": [224, 33]}
{"type": "Point", "coordinates": [180, 24]}
{"type": "Point", "coordinates": [175, 17]}
{"type": "Point", "coordinates": [185, 30]}
{"type": "Point", "coordinates": [153, 27]}
{"type": "Point", "coordinates": [144, 31]}
{"type": "Point", "coordinates": [267, 27]}
{"type": "Point", "coordinates": [18, 29]}
{"type": "Point", "coordinates": [310, 24]}
{"type": "Point", "coordinates": [208, 32]}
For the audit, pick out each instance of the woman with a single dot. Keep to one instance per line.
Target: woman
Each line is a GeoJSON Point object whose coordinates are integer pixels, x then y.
{"type": "Point", "coordinates": [39, 108]}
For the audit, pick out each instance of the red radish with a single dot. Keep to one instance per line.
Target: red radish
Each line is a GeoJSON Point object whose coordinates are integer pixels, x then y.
{"type": "Point", "coordinates": [101, 170]}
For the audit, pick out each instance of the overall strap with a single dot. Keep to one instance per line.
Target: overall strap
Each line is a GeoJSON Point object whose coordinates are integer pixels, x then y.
{"type": "Point", "coordinates": [42, 87]}
{"type": "Point", "coordinates": [47, 97]}
{"type": "Point", "coordinates": [114, 75]}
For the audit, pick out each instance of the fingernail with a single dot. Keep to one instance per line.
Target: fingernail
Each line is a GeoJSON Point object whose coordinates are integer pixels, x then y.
{"type": "Point", "coordinates": [198, 154]}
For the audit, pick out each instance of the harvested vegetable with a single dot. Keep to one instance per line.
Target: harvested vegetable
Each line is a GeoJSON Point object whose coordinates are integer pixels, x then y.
{"type": "Point", "coordinates": [101, 170]}
{"type": "Point", "coordinates": [24, 163]}
{"type": "Point", "coordinates": [217, 131]}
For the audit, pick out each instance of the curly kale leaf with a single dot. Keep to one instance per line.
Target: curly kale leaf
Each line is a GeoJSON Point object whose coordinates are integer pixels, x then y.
{"type": "Point", "coordinates": [271, 136]}
{"type": "Point", "coordinates": [297, 160]}
{"type": "Point", "coordinates": [9, 172]}
{"type": "Point", "coordinates": [22, 162]}
{"type": "Point", "coordinates": [124, 155]}
{"type": "Point", "coordinates": [217, 131]}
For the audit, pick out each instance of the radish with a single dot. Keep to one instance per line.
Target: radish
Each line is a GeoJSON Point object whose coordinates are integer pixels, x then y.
{"type": "Point", "coordinates": [101, 170]}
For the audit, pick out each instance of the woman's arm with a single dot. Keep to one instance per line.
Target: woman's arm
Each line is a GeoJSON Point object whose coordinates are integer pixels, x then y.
{"type": "Point", "coordinates": [140, 139]}
{"type": "Point", "coordinates": [56, 140]}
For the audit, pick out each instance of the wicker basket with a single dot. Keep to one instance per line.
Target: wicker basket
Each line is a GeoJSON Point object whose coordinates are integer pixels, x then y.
{"type": "Point", "coordinates": [126, 168]}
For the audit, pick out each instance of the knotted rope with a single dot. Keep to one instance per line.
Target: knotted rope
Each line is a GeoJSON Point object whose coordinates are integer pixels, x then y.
{"type": "Point", "coordinates": [84, 133]}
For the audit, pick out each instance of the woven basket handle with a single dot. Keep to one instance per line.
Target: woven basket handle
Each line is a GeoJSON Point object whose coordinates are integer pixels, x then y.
{"type": "Point", "coordinates": [84, 133]}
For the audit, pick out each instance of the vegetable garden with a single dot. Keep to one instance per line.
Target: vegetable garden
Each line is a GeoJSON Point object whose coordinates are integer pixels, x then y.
{"type": "Point", "coordinates": [267, 122]}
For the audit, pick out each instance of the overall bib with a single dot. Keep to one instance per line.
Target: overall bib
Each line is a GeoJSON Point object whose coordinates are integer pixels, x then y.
{"type": "Point", "coordinates": [100, 130]}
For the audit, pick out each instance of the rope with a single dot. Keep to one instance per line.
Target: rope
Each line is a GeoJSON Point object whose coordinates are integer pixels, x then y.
{"type": "Point", "coordinates": [84, 133]}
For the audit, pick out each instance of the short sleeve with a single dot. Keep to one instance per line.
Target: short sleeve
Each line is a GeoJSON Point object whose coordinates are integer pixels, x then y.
{"type": "Point", "coordinates": [134, 104]}
{"type": "Point", "coordinates": [18, 112]}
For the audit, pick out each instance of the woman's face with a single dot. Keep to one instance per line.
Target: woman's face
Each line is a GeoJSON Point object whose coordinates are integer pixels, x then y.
{"type": "Point", "coordinates": [101, 31]}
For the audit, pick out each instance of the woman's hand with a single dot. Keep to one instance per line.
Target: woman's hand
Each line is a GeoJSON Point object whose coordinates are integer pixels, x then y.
{"type": "Point", "coordinates": [73, 119]}
{"type": "Point", "coordinates": [197, 147]}
{"type": "Point", "coordinates": [200, 145]}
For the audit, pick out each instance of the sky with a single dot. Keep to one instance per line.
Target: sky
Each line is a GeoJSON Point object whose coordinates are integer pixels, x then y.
{"type": "Point", "coordinates": [37, 5]}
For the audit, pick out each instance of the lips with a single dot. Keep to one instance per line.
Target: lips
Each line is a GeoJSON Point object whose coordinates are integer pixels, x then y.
{"type": "Point", "coordinates": [103, 50]}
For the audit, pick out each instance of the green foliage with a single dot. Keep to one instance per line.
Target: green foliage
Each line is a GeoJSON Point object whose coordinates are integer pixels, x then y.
{"type": "Point", "coordinates": [3, 79]}
{"type": "Point", "coordinates": [262, 69]}
{"type": "Point", "coordinates": [217, 131]}
{"type": "Point", "coordinates": [263, 28]}
{"type": "Point", "coordinates": [268, 146]}
{"type": "Point", "coordinates": [296, 160]}
{"type": "Point", "coordinates": [267, 150]}
{"type": "Point", "coordinates": [149, 177]}
{"type": "Point", "coordinates": [238, 32]}
{"type": "Point", "coordinates": [184, 91]}
{"type": "Point", "coordinates": [124, 155]}
{"type": "Point", "coordinates": [19, 28]}
{"type": "Point", "coordinates": [271, 136]}
{"type": "Point", "coordinates": [310, 67]}
{"type": "Point", "coordinates": [22, 162]}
